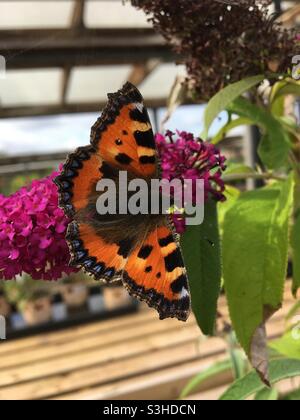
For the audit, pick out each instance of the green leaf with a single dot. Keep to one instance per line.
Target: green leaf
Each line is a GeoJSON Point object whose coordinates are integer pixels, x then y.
{"type": "Point", "coordinates": [289, 344]}
{"type": "Point", "coordinates": [279, 90]}
{"type": "Point", "coordinates": [294, 311]}
{"type": "Point", "coordinates": [229, 126]}
{"type": "Point", "coordinates": [239, 364]}
{"type": "Point", "coordinates": [255, 252]}
{"type": "Point", "coordinates": [286, 87]}
{"type": "Point", "coordinates": [267, 394]}
{"type": "Point", "coordinates": [238, 168]}
{"type": "Point", "coordinates": [273, 150]}
{"type": "Point", "coordinates": [292, 396]}
{"type": "Point", "coordinates": [214, 370]}
{"type": "Point", "coordinates": [275, 143]}
{"type": "Point", "coordinates": [251, 383]}
{"type": "Point", "coordinates": [201, 250]}
{"type": "Point", "coordinates": [296, 255]}
{"type": "Point", "coordinates": [223, 98]}
{"type": "Point", "coordinates": [290, 125]}
{"type": "Point", "coordinates": [277, 101]}
{"type": "Point", "coordinates": [277, 108]}
{"type": "Point", "coordinates": [231, 194]}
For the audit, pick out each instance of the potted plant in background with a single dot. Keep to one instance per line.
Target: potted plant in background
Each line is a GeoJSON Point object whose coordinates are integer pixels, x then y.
{"type": "Point", "coordinates": [116, 296]}
{"type": "Point", "coordinates": [32, 299]}
{"type": "Point", "coordinates": [74, 290]}
{"type": "Point", "coordinates": [5, 307]}
{"type": "Point", "coordinates": [36, 307]}
{"type": "Point", "coordinates": [96, 299]}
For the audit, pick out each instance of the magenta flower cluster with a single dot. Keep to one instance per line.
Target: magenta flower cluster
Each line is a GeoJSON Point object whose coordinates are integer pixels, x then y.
{"type": "Point", "coordinates": [186, 157]}
{"type": "Point", "coordinates": [32, 233]}
{"type": "Point", "coordinates": [33, 227]}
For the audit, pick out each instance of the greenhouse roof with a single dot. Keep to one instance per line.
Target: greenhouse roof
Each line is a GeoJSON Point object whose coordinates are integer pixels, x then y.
{"type": "Point", "coordinates": [64, 56]}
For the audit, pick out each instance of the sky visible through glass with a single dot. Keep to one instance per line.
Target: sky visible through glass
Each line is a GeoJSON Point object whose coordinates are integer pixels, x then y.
{"type": "Point", "coordinates": [50, 134]}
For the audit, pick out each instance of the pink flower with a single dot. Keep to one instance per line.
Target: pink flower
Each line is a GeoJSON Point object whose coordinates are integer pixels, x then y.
{"type": "Point", "coordinates": [185, 157]}
{"type": "Point", "coordinates": [33, 227]}
{"type": "Point", "coordinates": [32, 233]}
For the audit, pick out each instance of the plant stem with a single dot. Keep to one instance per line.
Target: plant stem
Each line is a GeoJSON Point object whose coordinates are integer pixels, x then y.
{"type": "Point", "coordinates": [294, 162]}
{"type": "Point", "coordinates": [250, 175]}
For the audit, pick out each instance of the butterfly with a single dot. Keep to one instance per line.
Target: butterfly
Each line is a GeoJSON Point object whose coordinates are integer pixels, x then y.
{"type": "Point", "coordinates": [142, 251]}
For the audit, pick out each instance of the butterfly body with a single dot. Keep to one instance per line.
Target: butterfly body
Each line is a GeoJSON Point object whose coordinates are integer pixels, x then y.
{"type": "Point", "coordinates": [141, 250]}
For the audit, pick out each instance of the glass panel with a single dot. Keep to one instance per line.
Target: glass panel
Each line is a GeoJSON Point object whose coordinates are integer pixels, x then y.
{"type": "Point", "coordinates": [113, 14]}
{"type": "Point", "coordinates": [92, 84]}
{"type": "Point", "coordinates": [35, 14]}
{"type": "Point", "coordinates": [31, 87]}
{"type": "Point", "coordinates": [159, 83]}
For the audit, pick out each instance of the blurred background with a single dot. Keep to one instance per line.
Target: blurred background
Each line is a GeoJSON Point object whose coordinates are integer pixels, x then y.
{"type": "Point", "coordinates": [62, 58]}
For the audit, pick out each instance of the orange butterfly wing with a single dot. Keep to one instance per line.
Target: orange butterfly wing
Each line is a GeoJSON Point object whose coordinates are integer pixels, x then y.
{"type": "Point", "coordinates": [123, 136]}
{"type": "Point", "coordinates": [122, 139]}
{"type": "Point", "coordinates": [105, 261]}
{"type": "Point", "coordinates": [80, 173]}
{"type": "Point", "coordinates": [155, 273]}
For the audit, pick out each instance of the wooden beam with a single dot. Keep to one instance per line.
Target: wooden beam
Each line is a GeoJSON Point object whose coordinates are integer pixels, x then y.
{"type": "Point", "coordinates": [34, 111]}
{"type": "Point", "coordinates": [77, 22]}
{"type": "Point", "coordinates": [37, 158]}
{"type": "Point", "coordinates": [289, 17]}
{"type": "Point", "coordinates": [141, 71]}
{"type": "Point", "coordinates": [58, 48]}
{"type": "Point", "coordinates": [65, 83]}
{"type": "Point", "coordinates": [277, 5]}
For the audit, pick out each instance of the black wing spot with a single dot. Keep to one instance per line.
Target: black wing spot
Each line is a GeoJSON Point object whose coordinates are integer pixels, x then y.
{"type": "Point", "coordinates": [108, 171]}
{"type": "Point", "coordinates": [147, 159]}
{"type": "Point", "coordinates": [145, 251]}
{"type": "Point", "coordinates": [137, 115]}
{"type": "Point", "coordinates": [178, 284]}
{"type": "Point", "coordinates": [148, 269]}
{"type": "Point", "coordinates": [145, 138]}
{"type": "Point", "coordinates": [166, 241]}
{"type": "Point", "coordinates": [125, 246]}
{"type": "Point", "coordinates": [173, 260]}
{"type": "Point", "coordinates": [123, 159]}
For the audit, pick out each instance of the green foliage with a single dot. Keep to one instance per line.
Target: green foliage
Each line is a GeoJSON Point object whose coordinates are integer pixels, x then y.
{"type": "Point", "coordinates": [273, 155]}
{"type": "Point", "coordinates": [292, 396]}
{"type": "Point", "coordinates": [25, 289]}
{"type": "Point", "coordinates": [255, 250]}
{"type": "Point", "coordinates": [294, 311]}
{"type": "Point", "coordinates": [237, 357]}
{"type": "Point", "coordinates": [231, 194]}
{"type": "Point", "coordinates": [285, 87]}
{"type": "Point", "coordinates": [296, 254]}
{"type": "Point", "coordinates": [289, 344]}
{"type": "Point", "coordinates": [222, 99]}
{"type": "Point", "coordinates": [229, 126]}
{"type": "Point", "coordinates": [275, 143]}
{"type": "Point", "coordinates": [20, 180]}
{"type": "Point", "coordinates": [267, 394]}
{"type": "Point", "coordinates": [251, 384]}
{"type": "Point", "coordinates": [238, 169]}
{"type": "Point", "coordinates": [201, 250]}
{"type": "Point", "coordinates": [279, 92]}
{"type": "Point", "coordinates": [255, 224]}
{"type": "Point", "coordinates": [211, 372]}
